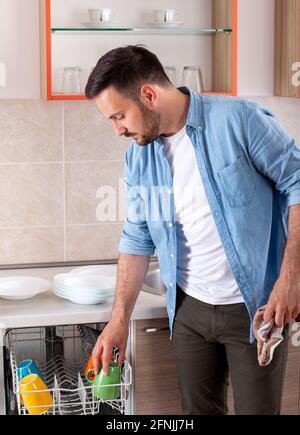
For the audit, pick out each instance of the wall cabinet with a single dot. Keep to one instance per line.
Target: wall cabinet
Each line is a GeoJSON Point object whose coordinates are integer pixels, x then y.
{"type": "Point", "coordinates": [207, 38]}
{"type": "Point", "coordinates": [21, 53]}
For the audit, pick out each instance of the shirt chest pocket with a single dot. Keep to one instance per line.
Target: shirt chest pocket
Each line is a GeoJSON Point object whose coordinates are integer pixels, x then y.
{"type": "Point", "coordinates": [238, 182]}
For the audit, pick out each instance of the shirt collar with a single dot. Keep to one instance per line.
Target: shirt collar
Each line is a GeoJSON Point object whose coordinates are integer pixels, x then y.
{"type": "Point", "coordinates": [195, 113]}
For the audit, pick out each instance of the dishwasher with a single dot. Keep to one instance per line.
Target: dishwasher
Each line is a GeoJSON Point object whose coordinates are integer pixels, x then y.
{"type": "Point", "coordinates": [59, 337]}
{"type": "Point", "coordinates": [61, 354]}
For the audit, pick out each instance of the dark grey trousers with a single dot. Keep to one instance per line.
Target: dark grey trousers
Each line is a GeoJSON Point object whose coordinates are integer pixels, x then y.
{"type": "Point", "coordinates": [213, 341]}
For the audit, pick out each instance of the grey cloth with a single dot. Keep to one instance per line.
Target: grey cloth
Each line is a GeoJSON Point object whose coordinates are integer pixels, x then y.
{"type": "Point", "coordinates": [212, 342]}
{"type": "Point", "coordinates": [268, 337]}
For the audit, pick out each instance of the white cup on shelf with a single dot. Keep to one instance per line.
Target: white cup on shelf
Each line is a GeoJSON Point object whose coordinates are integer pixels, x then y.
{"type": "Point", "coordinates": [94, 15]}
{"type": "Point", "coordinates": [107, 15]}
{"type": "Point", "coordinates": [170, 15]}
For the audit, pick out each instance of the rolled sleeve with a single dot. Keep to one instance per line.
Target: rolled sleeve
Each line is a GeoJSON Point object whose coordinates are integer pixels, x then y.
{"type": "Point", "coordinates": [136, 238]}
{"type": "Point", "coordinates": [273, 151]}
{"type": "Point", "coordinates": [294, 198]}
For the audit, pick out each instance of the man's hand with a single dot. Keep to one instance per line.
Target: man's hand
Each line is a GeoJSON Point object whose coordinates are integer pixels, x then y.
{"type": "Point", "coordinates": [284, 301]}
{"type": "Point", "coordinates": [115, 334]}
{"type": "Point", "coordinates": [130, 275]}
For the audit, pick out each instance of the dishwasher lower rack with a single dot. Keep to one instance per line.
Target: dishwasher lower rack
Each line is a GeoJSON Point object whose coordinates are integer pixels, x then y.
{"type": "Point", "coordinates": [61, 359]}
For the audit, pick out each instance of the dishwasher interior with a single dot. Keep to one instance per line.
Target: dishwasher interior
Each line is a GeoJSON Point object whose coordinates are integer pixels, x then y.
{"type": "Point", "coordinates": [61, 353]}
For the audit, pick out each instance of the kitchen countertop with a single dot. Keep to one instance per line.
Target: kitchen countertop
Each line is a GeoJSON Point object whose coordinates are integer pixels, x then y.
{"type": "Point", "coordinates": [48, 309]}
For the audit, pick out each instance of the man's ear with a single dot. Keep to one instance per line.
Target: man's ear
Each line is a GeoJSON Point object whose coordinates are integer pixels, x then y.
{"type": "Point", "coordinates": [148, 94]}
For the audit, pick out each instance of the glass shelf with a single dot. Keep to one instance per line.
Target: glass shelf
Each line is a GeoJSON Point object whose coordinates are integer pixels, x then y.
{"type": "Point", "coordinates": [142, 31]}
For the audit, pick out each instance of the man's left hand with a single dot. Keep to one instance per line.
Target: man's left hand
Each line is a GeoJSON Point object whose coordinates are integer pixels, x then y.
{"type": "Point", "coordinates": [284, 301]}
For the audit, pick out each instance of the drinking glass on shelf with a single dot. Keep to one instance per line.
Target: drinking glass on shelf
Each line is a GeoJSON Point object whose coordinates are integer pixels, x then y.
{"type": "Point", "coordinates": [159, 16]}
{"type": "Point", "coordinates": [192, 78]}
{"type": "Point", "coordinates": [71, 81]}
{"type": "Point", "coordinates": [171, 73]}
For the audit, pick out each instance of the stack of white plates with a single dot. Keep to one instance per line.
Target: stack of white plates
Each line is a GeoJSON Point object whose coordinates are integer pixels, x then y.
{"type": "Point", "coordinates": [87, 286]}
{"type": "Point", "coordinates": [105, 269]}
{"type": "Point", "coordinates": [18, 288]}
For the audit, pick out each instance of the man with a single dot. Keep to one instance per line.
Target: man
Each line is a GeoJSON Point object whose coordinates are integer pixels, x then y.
{"type": "Point", "coordinates": [228, 180]}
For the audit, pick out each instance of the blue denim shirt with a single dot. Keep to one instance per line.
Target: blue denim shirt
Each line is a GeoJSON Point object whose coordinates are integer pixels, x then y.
{"type": "Point", "coordinates": [250, 169]}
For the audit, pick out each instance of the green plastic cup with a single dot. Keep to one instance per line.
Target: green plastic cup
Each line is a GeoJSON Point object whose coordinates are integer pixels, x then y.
{"type": "Point", "coordinates": [106, 387]}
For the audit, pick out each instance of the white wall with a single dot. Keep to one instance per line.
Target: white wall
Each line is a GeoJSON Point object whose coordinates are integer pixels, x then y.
{"type": "Point", "coordinates": [19, 46]}
{"type": "Point", "coordinates": [256, 47]}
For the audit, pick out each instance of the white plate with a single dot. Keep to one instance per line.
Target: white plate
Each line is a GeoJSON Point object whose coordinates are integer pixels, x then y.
{"type": "Point", "coordinates": [101, 25]}
{"type": "Point", "coordinates": [66, 293]}
{"type": "Point", "coordinates": [85, 282]}
{"type": "Point", "coordinates": [105, 269]}
{"type": "Point", "coordinates": [84, 294]}
{"type": "Point", "coordinates": [173, 25]}
{"type": "Point", "coordinates": [84, 300]}
{"type": "Point", "coordinates": [22, 287]}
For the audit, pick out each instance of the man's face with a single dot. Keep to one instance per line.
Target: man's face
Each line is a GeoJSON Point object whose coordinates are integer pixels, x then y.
{"type": "Point", "coordinates": [130, 118]}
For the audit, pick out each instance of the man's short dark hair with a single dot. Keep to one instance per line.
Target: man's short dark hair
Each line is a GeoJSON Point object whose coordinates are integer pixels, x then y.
{"type": "Point", "coordinates": [126, 69]}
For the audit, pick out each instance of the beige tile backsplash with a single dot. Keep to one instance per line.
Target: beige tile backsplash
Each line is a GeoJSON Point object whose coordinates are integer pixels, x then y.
{"type": "Point", "coordinates": [31, 245]}
{"type": "Point", "coordinates": [92, 242]}
{"type": "Point", "coordinates": [85, 183]}
{"type": "Point", "coordinates": [58, 161]}
{"type": "Point", "coordinates": [90, 136]}
{"type": "Point", "coordinates": [31, 195]}
{"type": "Point", "coordinates": [30, 131]}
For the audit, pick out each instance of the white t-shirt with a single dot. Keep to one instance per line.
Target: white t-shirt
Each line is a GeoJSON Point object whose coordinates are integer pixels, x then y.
{"type": "Point", "coordinates": [203, 271]}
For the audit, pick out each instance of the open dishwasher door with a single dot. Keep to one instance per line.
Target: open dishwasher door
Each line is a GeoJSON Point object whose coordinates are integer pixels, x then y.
{"type": "Point", "coordinates": [61, 354]}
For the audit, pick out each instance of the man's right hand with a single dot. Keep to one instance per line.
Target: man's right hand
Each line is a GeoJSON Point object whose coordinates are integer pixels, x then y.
{"type": "Point", "coordinates": [115, 334]}
{"type": "Point", "coordinates": [130, 275]}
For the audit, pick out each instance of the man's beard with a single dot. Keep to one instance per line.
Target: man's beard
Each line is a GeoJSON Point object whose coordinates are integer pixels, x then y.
{"type": "Point", "coordinates": [151, 121]}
